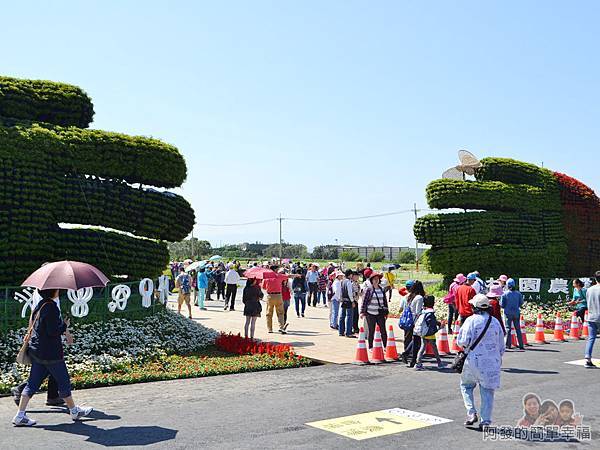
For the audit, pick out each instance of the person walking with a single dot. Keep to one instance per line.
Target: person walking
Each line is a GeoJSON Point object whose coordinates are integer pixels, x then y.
{"type": "Point", "coordinates": [312, 279]}
{"type": "Point", "coordinates": [183, 284]}
{"type": "Point", "coordinates": [579, 299]}
{"type": "Point", "coordinates": [374, 309]}
{"type": "Point", "coordinates": [210, 274]}
{"type": "Point", "coordinates": [286, 296]}
{"type": "Point", "coordinates": [345, 324]}
{"type": "Point", "coordinates": [202, 287]}
{"type": "Point", "coordinates": [355, 302]}
{"type": "Point", "coordinates": [482, 338]}
{"type": "Point", "coordinates": [336, 288]}
{"type": "Point", "coordinates": [273, 286]}
{"type": "Point", "coordinates": [45, 348]}
{"type": "Point", "coordinates": [367, 272]}
{"type": "Point", "coordinates": [426, 328]}
{"type": "Point", "coordinates": [299, 289]}
{"type": "Point", "coordinates": [450, 300]}
{"type": "Point", "coordinates": [322, 287]}
{"type": "Point", "coordinates": [511, 302]}
{"type": "Point", "coordinates": [464, 294]}
{"type": "Point", "coordinates": [593, 304]}
{"type": "Point", "coordinates": [251, 297]}
{"type": "Point", "coordinates": [414, 302]}
{"type": "Point", "coordinates": [220, 281]}
{"type": "Point", "coordinates": [232, 278]}
{"type": "Point", "coordinates": [390, 279]}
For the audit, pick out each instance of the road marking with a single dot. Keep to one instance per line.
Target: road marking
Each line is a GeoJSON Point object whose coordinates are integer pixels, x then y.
{"type": "Point", "coordinates": [581, 362]}
{"type": "Point", "coordinates": [378, 423]}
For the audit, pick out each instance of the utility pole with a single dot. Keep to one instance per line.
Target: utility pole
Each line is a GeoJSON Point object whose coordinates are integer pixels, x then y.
{"type": "Point", "coordinates": [416, 242]}
{"type": "Point", "coordinates": [193, 244]}
{"type": "Point", "coordinates": [280, 239]}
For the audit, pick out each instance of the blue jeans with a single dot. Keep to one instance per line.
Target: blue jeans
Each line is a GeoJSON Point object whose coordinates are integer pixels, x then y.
{"type": "Point", "coordinates": [345, 321]}
{"type": "Point", "coordinates": [322, 294]}
{"type": "Point", "coordinates": [589, 346]}
{"type": "Point", "coordinates": [300, 297]}
{"type": "Point", "coordinates": [516, 321]}
{"type": "Point", "coordinates": [334, 312]}
{"type": "Point", "coordinates": [487, 401]}
{"type": "Point", "coordinates": [40, 371]}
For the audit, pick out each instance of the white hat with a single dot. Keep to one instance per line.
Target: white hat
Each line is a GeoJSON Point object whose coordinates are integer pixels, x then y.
{"type": "Point", "coordinates": [480, 301]}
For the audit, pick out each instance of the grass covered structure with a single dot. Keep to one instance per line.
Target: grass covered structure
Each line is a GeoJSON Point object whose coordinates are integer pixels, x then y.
{"type": "Point", "coordinates": [54, 170]}
{"type": "Point", "coordinates": [519, 219]}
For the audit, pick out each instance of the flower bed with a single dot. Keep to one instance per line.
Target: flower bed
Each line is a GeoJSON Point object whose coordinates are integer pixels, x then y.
{"type": "Point", "coordinates": [163, 346]}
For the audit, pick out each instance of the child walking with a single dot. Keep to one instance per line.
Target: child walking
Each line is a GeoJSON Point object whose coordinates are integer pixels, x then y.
{"type": "Point", "coordinates": [427, 329]}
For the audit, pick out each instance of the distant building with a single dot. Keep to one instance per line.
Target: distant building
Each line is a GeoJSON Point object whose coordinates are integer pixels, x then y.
{"type": "Point", "coordinates": [391, 253]}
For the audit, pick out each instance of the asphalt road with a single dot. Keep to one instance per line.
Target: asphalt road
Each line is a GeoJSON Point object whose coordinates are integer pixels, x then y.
{"type": "Point", "coordinates": [269, 410]}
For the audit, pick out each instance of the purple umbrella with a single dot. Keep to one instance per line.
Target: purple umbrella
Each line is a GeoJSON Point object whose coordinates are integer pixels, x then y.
{"type": "Point", "coordinates": [66, 275]}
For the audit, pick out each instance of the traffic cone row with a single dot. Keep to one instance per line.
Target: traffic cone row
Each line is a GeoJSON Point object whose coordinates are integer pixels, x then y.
{"type": "Point", "coordinates": [391, 352]}
{"type": "Point", "coordinates": [585, 332]}
{"type": "Point", "coordinates": [540, 337]}
{"type": "Point", "coordinates": [574, 331]}
{"type": "Point", "coordinates": [362, 356]}
{"type": "Point", "coordinates": [559, 334]}
{"type": "Point", "coordinates": [377, 357]}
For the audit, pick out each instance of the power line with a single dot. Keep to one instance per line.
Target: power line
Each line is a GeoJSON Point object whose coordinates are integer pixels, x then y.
{"type": "Point", "coordinates": [236, 224]}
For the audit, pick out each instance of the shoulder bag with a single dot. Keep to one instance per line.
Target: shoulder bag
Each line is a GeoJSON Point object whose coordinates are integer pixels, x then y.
{"type": "Point", "coordinates": [460, 358]}
{"type": "Point", "coordinates": [23, 357]}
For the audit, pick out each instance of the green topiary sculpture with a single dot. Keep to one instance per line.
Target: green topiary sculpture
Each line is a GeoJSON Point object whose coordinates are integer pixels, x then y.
{"type": "Point", "coordinates": [536, 223]}
{"type": "Point", "coordinates": [55, 171]}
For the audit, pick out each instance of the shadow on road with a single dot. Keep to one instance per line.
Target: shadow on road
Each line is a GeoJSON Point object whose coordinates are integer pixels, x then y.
{"type": "Point", "coordinates": [532, 372]}
{"type": "Point", "coordinates": [139, 435]}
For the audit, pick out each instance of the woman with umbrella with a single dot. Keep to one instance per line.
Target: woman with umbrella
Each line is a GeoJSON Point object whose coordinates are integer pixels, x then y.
{"type": "Point", "coordinates": [43, 342]}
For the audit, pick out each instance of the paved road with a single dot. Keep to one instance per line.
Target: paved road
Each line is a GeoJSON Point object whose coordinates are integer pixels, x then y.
{"type": "Point", "coordinates": [269, 410]}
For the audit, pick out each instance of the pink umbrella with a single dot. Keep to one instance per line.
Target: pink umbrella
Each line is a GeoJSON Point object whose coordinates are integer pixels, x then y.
{"type": "Point", "coordinates": [259, 272]}
{"type": "Point", "coordinates": [66, 275]}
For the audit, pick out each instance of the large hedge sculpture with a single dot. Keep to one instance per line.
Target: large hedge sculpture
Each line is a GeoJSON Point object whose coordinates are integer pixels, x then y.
{"type": "Point", "coordinates": [53, 170]}
{"type": "Point", "coordinates": [535, 223]}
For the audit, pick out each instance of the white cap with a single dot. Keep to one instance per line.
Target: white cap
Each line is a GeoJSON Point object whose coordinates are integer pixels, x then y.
{"type": "Point", "coordinates": [480, 301]}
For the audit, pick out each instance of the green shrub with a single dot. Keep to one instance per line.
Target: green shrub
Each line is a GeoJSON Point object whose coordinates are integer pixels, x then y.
{"type": "Point", "coordinates": [376, 256]}
{"type": "Point", "coordinates": [349, 256]}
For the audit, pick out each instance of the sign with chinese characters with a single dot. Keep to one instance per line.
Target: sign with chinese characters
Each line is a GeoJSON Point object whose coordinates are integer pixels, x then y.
{"type": "Point", "coordinates": [378, 423]}
{"type": "Point", "coordinates": [543, 289]}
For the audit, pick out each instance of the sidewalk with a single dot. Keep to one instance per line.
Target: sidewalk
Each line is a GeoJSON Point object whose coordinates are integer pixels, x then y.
{"type": "Point", "coordinates": [310, 336]}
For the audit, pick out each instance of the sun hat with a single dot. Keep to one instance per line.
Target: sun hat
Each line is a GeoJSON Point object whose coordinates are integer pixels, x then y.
{"type": "Point", "coordinates": [472, 276]}
{"type": "Point", "coordinates": [460, 278]}
{"type": "Point", "coordinates": [480, 301]}
{"type": "Point", "coordinates": [409, 283]}
{"type": "Point", "coordinates": [376, 274]}
{"type": "Point", "coordinates": [511, 283]}
{"type": "Point", "coordinates": [402, 291]}
{"type": "Point", "coordinates": [495, 290]}
{"type": "Point", "coordinates": [503, 278]}
{"type": "Point", "coordinates": [338, 273]}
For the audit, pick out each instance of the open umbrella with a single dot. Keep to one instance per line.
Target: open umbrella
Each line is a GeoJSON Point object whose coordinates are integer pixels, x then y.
{"type": "Point", "coordinates": [195, 265]}
{"type": "Point", "coordinates": [66, 275]}
{"type": "Point", "coordinates": [215, 258]}
{"type": "Point", "coordinates": [259, 272]}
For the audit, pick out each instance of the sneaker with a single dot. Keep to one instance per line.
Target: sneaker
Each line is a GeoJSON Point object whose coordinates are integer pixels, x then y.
{"type": "Point", "coordinates": [351, 336]}
{"type": "Point", "coordinates": [78, 412]}
{"type": "Point", "coordinates": [282, 331]}
{"type": "Point", "coordinates": [404, 358]}
{"type": "Point", "coordinates": [55, 402]}
{"type": "Point", "coordinates": [23, 421]}
{"type": "Point", "coordinates": [298, 316]}
{"type": "Point", "coordinates": [589, 364]}
{"type": "Point", "coordinates": [232, 309]}
{"type": "Point", "coordinates": [441, 365]}
{"type": "Point", "coordinates": [419, 366]}
{"type": "Point", "coordinates": [484, 425]}
{"type": "Point", "coordinates": [471, 420]}
{"type": "Point", "coordinates": [16, 394]}
{"type": "Point", "coordinates": [270, 331]}
{"type": "Point", "coordinates": [204, 309]}
{"type": "Point", "coordinates": [225, 309]}
{"type": "Point", "coordinates": [285, 326]}
{"type": "Point", "coordinates": [302, 315]}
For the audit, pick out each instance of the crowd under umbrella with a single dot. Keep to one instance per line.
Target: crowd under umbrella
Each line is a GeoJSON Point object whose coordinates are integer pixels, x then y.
{"type": "Point", "coordinates": [196, 265]}
{"type": "Point", "coordinates": [66, 275]}
{"type": "Point", "coordinates": [260, 273]}
{"type": "Point", "coordinates": [215, 258]}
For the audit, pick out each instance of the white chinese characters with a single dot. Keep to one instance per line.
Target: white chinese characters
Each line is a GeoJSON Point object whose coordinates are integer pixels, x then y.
{"type": "Point", "coordinates": [80, 299]}
{"type": "Point", "coordinates": [146, 291]}
{"type": "Point", "coordinates": [530, 285]}
{"type": "Point", "coordinates": [559, 285]}
{"type": "Point", "coordinates": [120, 294]}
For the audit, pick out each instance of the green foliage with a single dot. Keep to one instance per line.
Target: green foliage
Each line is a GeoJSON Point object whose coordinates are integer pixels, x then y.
{"type": "Point", "coordinates": [45, 101]}
{"type": "Point", "coordinates": [184, 249]}
{"type": "Point", "coordinates": [405, 257]}
{"type": "Point", "coordinates": [348, 255]}
{"type": "Point", "coordinates": [289, 251]}
{"type": "Point", "coordinates": [376, 256]}
{"type": "Point", "coordinates": [325, 252]}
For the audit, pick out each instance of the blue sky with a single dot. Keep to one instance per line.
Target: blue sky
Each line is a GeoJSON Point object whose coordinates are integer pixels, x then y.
{"type": "Point", "coordinates": [325, 108]}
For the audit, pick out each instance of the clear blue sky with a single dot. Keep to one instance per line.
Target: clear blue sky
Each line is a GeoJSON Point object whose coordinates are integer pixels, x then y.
{"type": "Point", "coordinates": [325, 108]}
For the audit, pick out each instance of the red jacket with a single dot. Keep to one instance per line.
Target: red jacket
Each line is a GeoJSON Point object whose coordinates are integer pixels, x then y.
{"type": "Point", "coordinates": [463, 294]}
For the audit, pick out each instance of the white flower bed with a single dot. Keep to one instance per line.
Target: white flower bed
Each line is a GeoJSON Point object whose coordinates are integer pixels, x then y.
{"type": "Point", "coordinates": [113, 343]}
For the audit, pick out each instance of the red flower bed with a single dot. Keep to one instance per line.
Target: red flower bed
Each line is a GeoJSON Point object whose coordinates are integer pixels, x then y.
{"type": "Point", "coordinates": [235, 343]}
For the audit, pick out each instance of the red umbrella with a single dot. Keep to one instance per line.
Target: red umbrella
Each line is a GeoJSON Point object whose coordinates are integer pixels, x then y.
{"type": "Point", "coordinates": [259, 272]}
{"type": "Point", "coordinates": [66, 275]}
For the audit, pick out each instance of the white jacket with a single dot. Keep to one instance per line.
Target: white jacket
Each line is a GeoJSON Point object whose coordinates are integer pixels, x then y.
{"type": "Point", "coordinates": [232, 277]}
{"type": "Point", "coordinates": [484, 363]}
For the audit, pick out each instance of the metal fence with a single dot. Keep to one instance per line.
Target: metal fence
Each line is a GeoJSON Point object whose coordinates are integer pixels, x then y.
{"type": "Point", "coordinates": [12, 310]}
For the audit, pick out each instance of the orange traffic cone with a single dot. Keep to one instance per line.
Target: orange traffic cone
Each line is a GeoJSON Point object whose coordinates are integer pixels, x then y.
{"type": "Point", "coordinates": [391, 352]}
{"type": "Point", "coordinates": [574, 331]}
{"type": "Point", "coordinates": [513, 336]}
{"type": "Point", "coordinates": [559, 335]}
{"type": "Point", "coordinates": [523, 331]}
{"type": "Point", "coordinates": [377, 357]}
{"type": "Point", "coordinates": [428, 347]}
{"type": "Point", "coordinates": [442, 342]}
{"type": "Point", "coordinates": [455, 330]}
{"type": "Point", "coordinates": [585, 332]}
{"type": "Point", "coordinates": [362, 356]}
{"type": "Point", "coordinates": [540, 337]}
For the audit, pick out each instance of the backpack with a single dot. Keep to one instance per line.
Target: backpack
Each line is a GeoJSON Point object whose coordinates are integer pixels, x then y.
{"type": "Point", "coordinates": [407, 319]}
